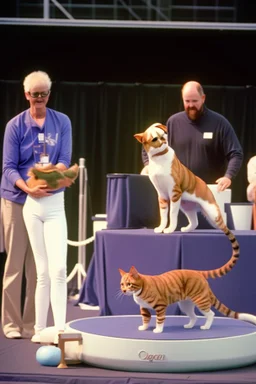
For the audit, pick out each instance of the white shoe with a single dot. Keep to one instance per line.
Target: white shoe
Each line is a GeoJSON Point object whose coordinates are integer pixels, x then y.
{"type": "Point", "coordinates": [13, 335]}
{"type": "Point", "coordinates": [36, 338]}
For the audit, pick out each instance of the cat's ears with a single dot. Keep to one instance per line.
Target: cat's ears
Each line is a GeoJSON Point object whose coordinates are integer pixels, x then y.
{"type": "Point", "coordinates": [163, 127]}
{"type": "Point", "coordinates": [133, 271]}
{"type": "Point", "coordinates": [139, 137]}
{"type": "Point", "coordinates": [121, 272]}
{"type": "Point", "coordinates": [142, 137]}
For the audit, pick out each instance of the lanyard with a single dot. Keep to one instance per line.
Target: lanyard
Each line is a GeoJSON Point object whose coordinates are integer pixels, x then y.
{"type": "Point", "coordinates": [39, 150]}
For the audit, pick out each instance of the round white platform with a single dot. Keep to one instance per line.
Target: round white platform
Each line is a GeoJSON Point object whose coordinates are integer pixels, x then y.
{"type": "Point", "coordinates": [115, 342]}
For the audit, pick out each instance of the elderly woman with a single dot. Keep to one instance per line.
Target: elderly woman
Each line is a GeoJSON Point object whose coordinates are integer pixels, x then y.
{"type": "Point", "coordinates": [37, 136]}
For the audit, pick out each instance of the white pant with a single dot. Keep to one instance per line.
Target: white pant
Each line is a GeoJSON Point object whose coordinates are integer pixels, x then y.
{"type": "Point", "coordinates": [46, 224]}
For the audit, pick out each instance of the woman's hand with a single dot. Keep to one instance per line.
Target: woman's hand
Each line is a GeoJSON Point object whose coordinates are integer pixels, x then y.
{"type": "Point", "coordinates": [39, 191]}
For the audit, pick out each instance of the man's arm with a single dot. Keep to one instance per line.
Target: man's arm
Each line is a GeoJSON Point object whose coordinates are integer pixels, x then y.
{"type": "Point", "coordinates": [231, 148]}
{"type": "Point", "coordinates": [234, 156]}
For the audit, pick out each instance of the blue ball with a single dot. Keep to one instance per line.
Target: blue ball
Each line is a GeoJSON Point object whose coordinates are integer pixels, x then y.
{"type": "Point", "coordinates": [48, 355]}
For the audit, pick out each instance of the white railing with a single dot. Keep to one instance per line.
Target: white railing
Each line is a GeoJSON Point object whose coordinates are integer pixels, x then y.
{"type": "Point", "coordinates": [80, 267]}
{"type": "Point", "coordinates": [133, 10]}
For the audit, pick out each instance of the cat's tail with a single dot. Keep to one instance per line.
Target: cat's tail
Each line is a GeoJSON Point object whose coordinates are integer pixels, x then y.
{"type": "Point", "coordinates": [222, 308]}
{"type": "Point", "coordinates": [219, 272]}
{"type": "Point", "coordinates": [247, 317]}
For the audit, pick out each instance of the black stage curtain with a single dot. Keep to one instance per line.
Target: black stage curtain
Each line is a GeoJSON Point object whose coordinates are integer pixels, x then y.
{"type": "Point", "coordinates": [105, 116]}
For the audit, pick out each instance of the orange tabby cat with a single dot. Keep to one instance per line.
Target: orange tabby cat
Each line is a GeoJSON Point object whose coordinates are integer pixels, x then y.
{"type": "Point", "coordinates": [179, 188]}
{"type": "Point", "coordinates": [188, 288]}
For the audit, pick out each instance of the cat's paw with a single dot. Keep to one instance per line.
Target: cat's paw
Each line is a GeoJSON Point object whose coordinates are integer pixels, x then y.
{"type": "Point", "coordinates": [158, 229]}
{"type": "Point", "coordinates": [209, 319]}
{"type": "Point", "coordinates": [143, 327]}
{"type": "Point", "coordinates": [188, 228]}
{"type": "Point", "coordinates": [158, 330]}
{"type": "Point", "coordinates": [169, 230]}
{"type": "Point", "coordinates": [190, 324]}
{"type": "Point", "coordinates": [203, 327]}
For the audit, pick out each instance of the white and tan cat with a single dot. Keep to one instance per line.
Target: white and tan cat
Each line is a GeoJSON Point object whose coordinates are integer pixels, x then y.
{"type": "Point", "coordinates": [186, 287]}
{"type": "Point", "coordinates": [178, 188]}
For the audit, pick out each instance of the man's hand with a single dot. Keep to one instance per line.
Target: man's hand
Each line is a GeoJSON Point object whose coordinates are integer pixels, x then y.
{"type": "Point", "coordinates": [223, 183]}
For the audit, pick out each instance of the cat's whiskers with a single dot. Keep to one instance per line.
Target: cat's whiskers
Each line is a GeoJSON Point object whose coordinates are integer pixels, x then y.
{"type": "Point", "coordinates": [119, 295]}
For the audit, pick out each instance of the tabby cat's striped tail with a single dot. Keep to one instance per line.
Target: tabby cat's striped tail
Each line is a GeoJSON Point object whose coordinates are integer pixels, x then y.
{"type": "Point", "coordinates": [222, 308]}
{"type": "Point", "coordinates": [232, 261]}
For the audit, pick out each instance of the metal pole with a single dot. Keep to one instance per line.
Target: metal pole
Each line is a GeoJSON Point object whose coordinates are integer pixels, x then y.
{"type": "Point", "coordinates": [79, 268]}
{"type": "Point", "coordinates": [85, 214]}
{"type": "Point", "coordinates": [46, 9]}
{"type": "Point", "coordinates": [81, 218]}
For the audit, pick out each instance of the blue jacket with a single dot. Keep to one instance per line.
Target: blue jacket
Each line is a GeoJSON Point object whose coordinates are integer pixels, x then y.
{"type": "Point", "coordinates": [22, 136]}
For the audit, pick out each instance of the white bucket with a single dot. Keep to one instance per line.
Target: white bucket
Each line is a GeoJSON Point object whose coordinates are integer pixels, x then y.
{"type": "Point", "coordinates": [241, 215]}
{"type": "Point", "coordinates": [99, 222]}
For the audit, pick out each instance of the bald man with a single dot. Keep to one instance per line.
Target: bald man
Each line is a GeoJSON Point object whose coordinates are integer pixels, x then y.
{"type": "Point", "coordinates": [203, 140]}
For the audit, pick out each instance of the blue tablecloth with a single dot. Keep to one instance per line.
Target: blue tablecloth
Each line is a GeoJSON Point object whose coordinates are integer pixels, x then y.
{"type": "Point", "coordinates": [131, 202]}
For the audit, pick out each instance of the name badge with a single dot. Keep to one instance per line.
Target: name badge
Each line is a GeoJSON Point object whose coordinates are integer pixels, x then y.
{"type": "Point", "coordinates": [40, 137]}
{"type": "Point", "coordinates": [44, 159]}
{"type": "Point", "coordinates": [208, 135]}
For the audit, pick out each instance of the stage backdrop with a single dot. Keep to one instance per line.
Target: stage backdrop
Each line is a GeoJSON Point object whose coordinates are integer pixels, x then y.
{"type": "Point", "coordinates": [105, 116]}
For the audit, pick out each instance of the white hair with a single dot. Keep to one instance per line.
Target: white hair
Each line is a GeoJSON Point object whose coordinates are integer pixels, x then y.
{"type": "Point", "coordinates": [37, 78]}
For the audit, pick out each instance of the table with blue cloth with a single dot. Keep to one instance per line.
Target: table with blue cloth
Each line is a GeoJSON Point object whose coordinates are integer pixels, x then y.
{"type": "Point", "coordinates": [154, 254]}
